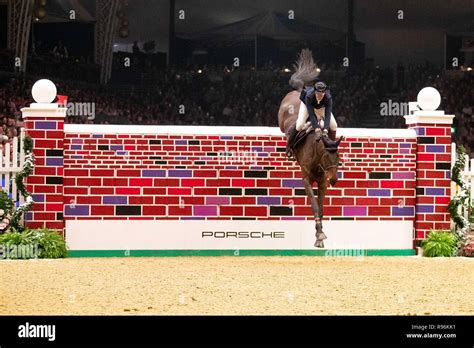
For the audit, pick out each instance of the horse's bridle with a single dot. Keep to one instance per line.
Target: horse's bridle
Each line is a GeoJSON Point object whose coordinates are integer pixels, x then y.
{"type": "Point", "coordinates": [325, 169]}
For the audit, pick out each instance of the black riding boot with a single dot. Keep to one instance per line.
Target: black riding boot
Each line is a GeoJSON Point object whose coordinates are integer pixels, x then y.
{"type": "Point", "coordinates": [290, 140]}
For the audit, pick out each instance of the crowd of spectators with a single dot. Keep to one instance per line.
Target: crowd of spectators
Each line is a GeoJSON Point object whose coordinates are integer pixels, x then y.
{"type": "Point", "coordinates": [222, 96]}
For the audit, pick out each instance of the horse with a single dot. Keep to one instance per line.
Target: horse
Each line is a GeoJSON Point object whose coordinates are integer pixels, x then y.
{"type": "Point", "coordinates": [317, 159]}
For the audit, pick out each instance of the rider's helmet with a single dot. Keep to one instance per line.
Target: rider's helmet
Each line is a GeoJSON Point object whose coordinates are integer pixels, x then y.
{"type": "Point", "coordinates": [320, 86]}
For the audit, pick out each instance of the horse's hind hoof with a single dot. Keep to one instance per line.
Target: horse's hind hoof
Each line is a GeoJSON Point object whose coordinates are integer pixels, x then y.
{"type": "Point", "coordinates": [319, 244]}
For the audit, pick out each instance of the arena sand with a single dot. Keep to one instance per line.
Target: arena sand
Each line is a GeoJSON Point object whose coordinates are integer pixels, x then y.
{"type": "Point", "coordinates": [238, 285]}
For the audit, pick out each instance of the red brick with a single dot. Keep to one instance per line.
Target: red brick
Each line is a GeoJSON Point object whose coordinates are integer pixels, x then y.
{"type": "Point", "coordinates": [441, 209]}
{"type": "Point", "coordinates": [129, 172]}
{"type": "Point", "coordinates": [442, 200]}
{"type": "Point", "coordinates": [43, 170]}
{"type": "Point", "coordinates": [54, 207]}
{"type": "Point", "coordinates": [243, 200]}
{"type": "Point", "coordinates": [156, 210]}
{"type": "Point", "coordinates": [180, 210]}
{"type": "Point", "coordinates": [154, 190]}
{"type": "Point", "coordinates": [337, 192]}
{"type": "Point", "coordinates": [332, 211]}
{"type": "Point", "coordinates": [102, 172]}
{"type": "Point", "coordinates": [280, 192]}
{"type": "Point", "coordinates": [127, 190]}
{"type": "Point", "coordinates": [439, 174]}
{"type": "Point", "coordinates": [367, 201]}
{"type": "Point", "coordinates": [389, 201]}
{"type": "Point", "coordinates": [38, 207]}
{"type": "Point", "coordinates": [342, 201]}
{"type": "Point", "coordinates": [355, 192]}
{"type": "Point", "coordinates": [243, 182]}
{"type": "Point", "coordinates": [85, 200]}
{"type": "Point", "coordinates": [89, 182]}
{"type": "Point", "coordinates": [75, 190]}
{"type": "Point", "coordinates": [425, 165]}
{"type": "Point", "coordinates": [231, 210]}
{"type": "Point", "coordinates": [36, 179]}
{"type": "Point", "coordinates": [442, 183]}
{"type": "Point", "coordinates": [443, 140]}
{"type": "Point", "coordinates": [54, 225]}
{"type": "Point", "coordinates": [345, 183]}
{"type": "Point", "coordinates": [281, 174]}
{"type": "Point", "coordinates": [391, 183]}
{"type": "Point", "coordinates": [140, 200]}
{"type": "Point", "coordinates": [193, 200]}
{"type": "Point", "coordinates": [44, 189]}
{"type": "Point", "coordinates": [205, 173]}
{"type": "Point", "coordinates": [444, 157]}
{"type": "Point", "coordinates": [231, 173]}
{"type": "Point", "coordinates": [442, 225]}
{"type": "Point", "coordinates": [425, 183]}
{"type": "Point", "coordinates": [44, 216]}
{"type": "Point", "coordinates": [378, 211]}
{"type": "Point", "coordinates": [355, 175]}
{"type": "Point", "coordinates": [303, 211]}
{"type": "Point", "coordinates": [102, 190]}
{"type": "Point", "coordinates": [294, 200]}
{"type": "Point", "coordinates": [192, 182]}
{"type": "Point", "coordinates": [212, 191]}
{"type": "Point", "coordinates": [114, 182]}
{"type": "Point", "coordinates": [167, 200]}
{"type": "Point", "coordinates": [102, 210]}
{"type": "Point", "coordinates": [76, 172]}
{"type": "Point", "coordinates": [420, 234]}
{"type": "Point", "coordinates": [425, 200]}
{"type": "Point", "coordinates": [45, 144]}
{"type": "Point", "coordinates": [427, 157]}
{"type": "Point", "coordinates": [409, 193]}
{"type": "Point", "coordinates": [256, 211]}
{"type": "Point", "coordinates": [434, 131]}
{"type": "Point", "coordinates": [54, 134]}
{"type": "Point", "coordinates": [141, 182]}
{"type": "Point", "coordinates": [179, 191]}
{"type": "Point", "coordinates": [435, 217]}
{"type": "Point", "coordinates": [423, 225]}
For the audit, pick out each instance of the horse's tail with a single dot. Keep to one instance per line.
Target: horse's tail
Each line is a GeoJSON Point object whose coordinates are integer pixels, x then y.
{"type": "Point", "coordinates": [306, 70]}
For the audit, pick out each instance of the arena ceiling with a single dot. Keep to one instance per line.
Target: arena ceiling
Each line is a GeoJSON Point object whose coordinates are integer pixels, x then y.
{"type": "Point", "coordinates": [369, 14]}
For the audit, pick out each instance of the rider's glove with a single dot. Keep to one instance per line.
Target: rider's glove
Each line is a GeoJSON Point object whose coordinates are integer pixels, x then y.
{"type": "Point", "coordinates": [325, 133]}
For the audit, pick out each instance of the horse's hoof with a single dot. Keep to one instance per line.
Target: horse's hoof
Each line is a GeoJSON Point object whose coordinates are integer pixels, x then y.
{"type": "Point", "coordinates": [319, 244]}
{"type": "Point", "coordinates": [320, 236]}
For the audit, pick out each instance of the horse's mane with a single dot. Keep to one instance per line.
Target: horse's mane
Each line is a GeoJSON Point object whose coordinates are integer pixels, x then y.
{"type": "Point", "coordinates": [306, 70]}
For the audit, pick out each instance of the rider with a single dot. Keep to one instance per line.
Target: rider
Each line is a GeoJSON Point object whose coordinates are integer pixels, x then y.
{"type": "Point", "coordinates": [317, 97]}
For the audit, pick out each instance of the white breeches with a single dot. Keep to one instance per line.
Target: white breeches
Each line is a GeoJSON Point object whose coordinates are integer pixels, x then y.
{"type": "Point", "coordinates": [303, 116]}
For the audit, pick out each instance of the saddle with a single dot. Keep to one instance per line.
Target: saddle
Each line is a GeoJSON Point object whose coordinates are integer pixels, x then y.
{"type": "Point", "coordinates": [296, 139]}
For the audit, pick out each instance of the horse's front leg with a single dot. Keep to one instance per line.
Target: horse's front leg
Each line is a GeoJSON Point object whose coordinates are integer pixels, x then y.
{"type": "Point", "coordinates": [308, 185]}
{"type": "Point", "coordinates": [322, 187]}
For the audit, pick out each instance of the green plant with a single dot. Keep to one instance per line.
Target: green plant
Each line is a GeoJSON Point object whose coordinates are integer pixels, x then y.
{"type": "Point", "coordinates": [461, 202]}
{"type": "Point", "coordinates": [10, 215]}
{"type": "Point", "coordinates": [439, 243]}
{"type": "Point", "coordinates": [45, 243]}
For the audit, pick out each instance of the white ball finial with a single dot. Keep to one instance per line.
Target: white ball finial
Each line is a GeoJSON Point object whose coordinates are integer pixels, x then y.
{"type": "Point", "coordinates": [429, 98]}
{"type": "Point", "coordinates": [44, 91]}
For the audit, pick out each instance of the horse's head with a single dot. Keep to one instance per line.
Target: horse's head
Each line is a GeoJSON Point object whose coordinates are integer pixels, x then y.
{"type": "Point", "coordinates": [330, 159]}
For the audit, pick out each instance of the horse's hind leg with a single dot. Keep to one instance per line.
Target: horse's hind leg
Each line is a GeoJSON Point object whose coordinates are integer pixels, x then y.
{"type": "Point", "coordinates": [320, 236]}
